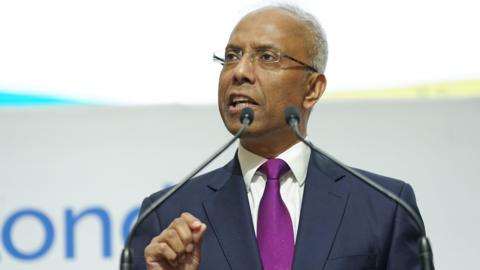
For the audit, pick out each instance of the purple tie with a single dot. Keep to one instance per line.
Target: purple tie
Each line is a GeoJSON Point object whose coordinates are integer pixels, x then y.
{"type": "Point", "coordinates": [274, 226]}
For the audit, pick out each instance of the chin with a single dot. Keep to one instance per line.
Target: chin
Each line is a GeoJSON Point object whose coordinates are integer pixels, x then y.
{"type": "Point", "coordinates": [232, 125]}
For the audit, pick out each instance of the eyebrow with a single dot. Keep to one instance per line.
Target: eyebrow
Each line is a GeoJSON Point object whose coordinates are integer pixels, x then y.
{"type": "Point", "coordinates": [233, 47]}
{"type": "Point", "coordinates": [266, 46]}
{"type": "Point", "coordinates": [255, 46]}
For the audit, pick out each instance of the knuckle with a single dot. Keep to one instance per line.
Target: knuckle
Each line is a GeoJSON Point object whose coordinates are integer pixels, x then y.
{"type": "Point", "coordinates": [147, 251]}
{"type": "Point", "coordinates": [171, 233]}
{"type": "Point", "coordinates": [162, 247]}
{"type": "Point", "coordinates": [157, 238]}
{"type": "Point", "coordinates": [176, 221]}
{"type": "Point", "coordinates": [185, 215]}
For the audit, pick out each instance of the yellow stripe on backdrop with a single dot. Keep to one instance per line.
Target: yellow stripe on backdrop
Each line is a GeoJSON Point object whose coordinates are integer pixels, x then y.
{"type": "Point", "coordinates": [468, 88]}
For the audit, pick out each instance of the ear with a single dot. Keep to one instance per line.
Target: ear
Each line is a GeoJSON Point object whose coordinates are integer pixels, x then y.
{"type": "Point", "coordinates": [316, 86]}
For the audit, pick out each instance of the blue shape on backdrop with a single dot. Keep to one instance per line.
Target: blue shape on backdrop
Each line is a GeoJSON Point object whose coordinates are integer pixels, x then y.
{"type": "Point", "coordinates": [8, 240]}
{"type": "Point", "coordinates": [70, 221]}
{"type": "Point", "coordinates": [10, 99]}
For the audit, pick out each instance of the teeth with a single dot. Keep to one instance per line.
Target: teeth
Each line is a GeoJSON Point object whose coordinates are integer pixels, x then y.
{"type": "Point", "coordinates": [242, 105]}
{"type": "Point", "coordinates": [238, 100]}
{"type": "Point", "coordinates": [241, 101]}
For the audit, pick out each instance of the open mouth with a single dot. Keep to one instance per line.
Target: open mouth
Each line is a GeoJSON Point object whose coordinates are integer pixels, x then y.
{"type": "Point", "coordinates": [237, 103]}
{"type": "Point", "coordinates": [241, 101]}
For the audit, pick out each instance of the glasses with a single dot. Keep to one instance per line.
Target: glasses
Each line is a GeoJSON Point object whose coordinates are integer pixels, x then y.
{"type": "Point", "coordinates": [266, 58]}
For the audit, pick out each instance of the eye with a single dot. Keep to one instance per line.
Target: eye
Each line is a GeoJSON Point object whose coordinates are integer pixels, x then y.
{"type": "Point", "coordinates": [232, 56]}
{"type": "Point", "coordinates": [268, 56]}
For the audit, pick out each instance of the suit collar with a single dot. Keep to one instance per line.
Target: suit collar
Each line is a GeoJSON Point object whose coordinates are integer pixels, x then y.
{"type": "Point", "coordinates": [228, 212]}
{"type": "Point", "coordinates": [324, 203]}
{"type": "Point", "coordinates": [231, 169]}
{"type": "Point", "coordinates": [297, 157]}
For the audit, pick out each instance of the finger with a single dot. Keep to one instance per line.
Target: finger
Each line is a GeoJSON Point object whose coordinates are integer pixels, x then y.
{"type": "Point", "coordinates": [185, 233]}
{"type": "Point", "coordinates": [160, 252]}
{"type": "Point", "coordinates": [196, 226]}
{"type": "Point", "coordinates": [192, 221]}
{"type": "Point", "coordinates": [174, 241]}
{"type": "Point", "coordinates": [198, 233]}
{"type": "Point", "coordinates": [197, 239]}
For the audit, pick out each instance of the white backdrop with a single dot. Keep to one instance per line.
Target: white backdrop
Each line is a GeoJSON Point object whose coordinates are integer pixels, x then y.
{"type": "Point", "coordinates": [152, 52]}
{"type": "Point", "coordinates": [57, 163]}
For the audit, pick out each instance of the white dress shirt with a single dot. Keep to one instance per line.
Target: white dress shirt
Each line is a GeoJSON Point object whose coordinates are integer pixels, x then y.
{"type": "Point", "coordinates": [292, 183]}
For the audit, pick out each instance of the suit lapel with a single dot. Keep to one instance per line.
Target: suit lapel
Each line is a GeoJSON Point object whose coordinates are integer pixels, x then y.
{"type": "Point", "coordinates": [323, 205]}
{"type": "Point", "coordinates": [229, 213]}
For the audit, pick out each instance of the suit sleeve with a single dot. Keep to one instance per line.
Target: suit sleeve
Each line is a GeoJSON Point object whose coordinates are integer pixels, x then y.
{"type": "Point", "coordinates": [146, 231]}
{"type": "Point", "coordinates": [404, 249]}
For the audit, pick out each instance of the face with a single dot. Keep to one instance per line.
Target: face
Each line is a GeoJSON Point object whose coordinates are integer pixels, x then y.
{"type": "Point", "coordinates": [267, 91]}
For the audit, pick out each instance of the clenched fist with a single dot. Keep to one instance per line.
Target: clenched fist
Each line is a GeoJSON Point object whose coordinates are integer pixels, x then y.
{"type": "Point", "coordinates": [178, 246]}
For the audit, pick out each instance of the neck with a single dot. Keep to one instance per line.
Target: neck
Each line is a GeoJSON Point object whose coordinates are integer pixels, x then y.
{"type": "Point", "coordinates": [269, 147]}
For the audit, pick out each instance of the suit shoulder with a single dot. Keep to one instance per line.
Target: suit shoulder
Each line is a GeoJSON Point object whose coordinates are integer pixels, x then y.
{"type": "Point", "coordinates": [195, 184]}
{"type": "Point", "coordinates": [399, 187]}
{"type": "Point", "coordinates": [393, 184]}
{"type": "Point", "coordinates": [334, 171]}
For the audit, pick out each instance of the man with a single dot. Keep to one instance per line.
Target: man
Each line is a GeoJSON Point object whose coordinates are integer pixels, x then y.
{"type": "Point", "coordinates": [276, 205]}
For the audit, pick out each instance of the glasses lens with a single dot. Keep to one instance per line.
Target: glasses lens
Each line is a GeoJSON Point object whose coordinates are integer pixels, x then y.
{"type": "Point", "coordinates": [219, 57]}
{"type": "Point", "coordinates": [267, 56]}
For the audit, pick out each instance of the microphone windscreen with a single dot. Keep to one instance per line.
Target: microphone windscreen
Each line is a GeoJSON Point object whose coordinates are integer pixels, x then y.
{"type": "Point", "coordinates": [246, 112]}
{"type": "Point", "coordinates": [291, 112]}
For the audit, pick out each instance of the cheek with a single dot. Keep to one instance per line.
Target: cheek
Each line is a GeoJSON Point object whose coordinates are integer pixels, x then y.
{"type": "Point", "coordinates": [222, 87]}
{"type": "Point", "coordinates": [224, 79]}
{"type": "Point", "coordinates": [282, 93]}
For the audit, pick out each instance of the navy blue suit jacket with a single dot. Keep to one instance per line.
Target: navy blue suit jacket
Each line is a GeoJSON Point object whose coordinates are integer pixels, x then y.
{"type": "Point", "coordinates": [344, 224]}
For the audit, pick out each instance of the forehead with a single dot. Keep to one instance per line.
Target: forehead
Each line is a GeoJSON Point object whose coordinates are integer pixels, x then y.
{"type": "Point", "coordinates": [270, 27]}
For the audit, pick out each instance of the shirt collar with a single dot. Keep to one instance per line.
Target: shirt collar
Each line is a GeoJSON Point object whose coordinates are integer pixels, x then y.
{"type": "Point", "coordinates": [297, 158]}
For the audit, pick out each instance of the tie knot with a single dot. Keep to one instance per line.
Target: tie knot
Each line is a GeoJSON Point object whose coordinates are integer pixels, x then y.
{"type": "Point", "coordinates": [274, 168]}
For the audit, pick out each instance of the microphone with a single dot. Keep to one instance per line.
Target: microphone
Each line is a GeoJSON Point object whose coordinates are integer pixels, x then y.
{"type": "Point", "coordinates": [126, 258]}
{"type": "Point", "coordinates": [292, 117]}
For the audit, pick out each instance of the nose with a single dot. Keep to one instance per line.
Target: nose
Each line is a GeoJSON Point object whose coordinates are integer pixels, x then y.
{"type": "Point", "coordinates": [244, 71]}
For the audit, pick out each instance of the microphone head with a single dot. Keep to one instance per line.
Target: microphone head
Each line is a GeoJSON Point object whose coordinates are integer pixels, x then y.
{"type": "Point", "coordinates": [291, 113]}
{"type": "Point", "coordinates": [246, 113]}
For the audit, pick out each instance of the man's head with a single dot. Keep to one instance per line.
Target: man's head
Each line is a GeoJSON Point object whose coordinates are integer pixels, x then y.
{"type": "Point", "coordinates": [270, 58]}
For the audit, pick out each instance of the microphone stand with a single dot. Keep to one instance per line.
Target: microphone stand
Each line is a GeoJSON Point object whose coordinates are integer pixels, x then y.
{"type": "Point", "coordinates": [426, 256]}
{"type": "Point", "coordinates": [126, 258]}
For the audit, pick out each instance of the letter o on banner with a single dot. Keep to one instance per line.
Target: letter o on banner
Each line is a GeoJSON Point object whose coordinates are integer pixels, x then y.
{"type": "Point", "coordinates": [7, 234]}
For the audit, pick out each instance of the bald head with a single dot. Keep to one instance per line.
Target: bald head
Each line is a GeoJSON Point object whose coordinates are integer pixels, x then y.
{"type": "Point", "coordinates": [272, 26]}
{"type": "Point", "coordinates": [307, 29]}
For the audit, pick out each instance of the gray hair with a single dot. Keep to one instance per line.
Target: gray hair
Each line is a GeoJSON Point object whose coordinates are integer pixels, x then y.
{"type": "Point", "coordinates": [319, 50]}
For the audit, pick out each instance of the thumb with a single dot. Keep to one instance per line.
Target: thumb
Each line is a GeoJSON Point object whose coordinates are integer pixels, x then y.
{"type": "Point", "coordinates": [198, 230]}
